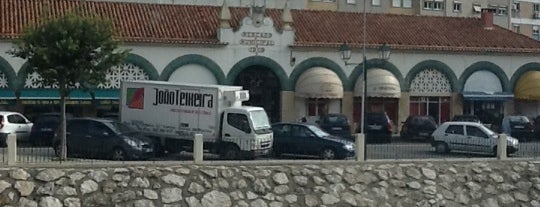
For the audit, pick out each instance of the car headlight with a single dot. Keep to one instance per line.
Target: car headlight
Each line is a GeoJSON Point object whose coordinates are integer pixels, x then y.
{"type": "Point", "coordinates": [133, 143]}
{"type": "Point", "coordinates": [348, 147]}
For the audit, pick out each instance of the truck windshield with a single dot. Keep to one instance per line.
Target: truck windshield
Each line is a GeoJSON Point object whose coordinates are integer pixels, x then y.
{"type": "Point", "coordinates": [260, 120]}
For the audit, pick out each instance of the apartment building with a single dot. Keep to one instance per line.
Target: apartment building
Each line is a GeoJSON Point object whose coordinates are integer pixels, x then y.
{"type": "Point", "coordinates": [525, 17]}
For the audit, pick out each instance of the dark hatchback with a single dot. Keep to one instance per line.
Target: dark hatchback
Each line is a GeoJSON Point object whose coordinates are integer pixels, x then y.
{"type": "Point", "coordinates": [519, 127]}
{"type": "Point", "coordinates": [44, 127]}
{"type": "Point", "coordinates": [378, 127]}
{"type": "Point", "coordinates": [336, 124]}
{"type": "Point", "coordinates": [308, 139]}
{"type": "Point", "coordinates": [418, 127]}
{"type": "Point", "coordinates": [104, 138]}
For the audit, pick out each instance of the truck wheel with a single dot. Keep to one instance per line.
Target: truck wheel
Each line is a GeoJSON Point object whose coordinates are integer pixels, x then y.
{"type": "Point", "coordinates": [328, 154]}
{"type": "Point", "coordinates": [231, 153]}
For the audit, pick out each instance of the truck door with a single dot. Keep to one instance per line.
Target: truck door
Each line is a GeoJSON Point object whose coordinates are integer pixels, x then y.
{"type": "Point", "coordinates": [236, 129]}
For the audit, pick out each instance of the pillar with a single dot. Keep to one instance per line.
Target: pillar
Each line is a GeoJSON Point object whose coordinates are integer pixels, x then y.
{"type": "Point", "coordinates": [403, 111]}
{"type": "Point", "coordinates": [456, 105]}
{"type": "Point", "coordinates": [347, 107]}
{"type": "Point", "coordinates": [288, 113]}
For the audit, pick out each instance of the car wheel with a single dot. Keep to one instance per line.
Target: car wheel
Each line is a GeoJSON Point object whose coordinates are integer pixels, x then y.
{"type": "Point", "coordinates": [231, 153]}
{"type": "Point", "coordinates": [441, 147]}
{"type": "Point", "coordinates": [328, 154]}
{"type": "Point", "coordinates": [118, 154]}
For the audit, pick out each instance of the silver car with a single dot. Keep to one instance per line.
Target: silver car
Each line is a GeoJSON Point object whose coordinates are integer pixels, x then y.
{"type": "Point", "coordinates": [469, 137]}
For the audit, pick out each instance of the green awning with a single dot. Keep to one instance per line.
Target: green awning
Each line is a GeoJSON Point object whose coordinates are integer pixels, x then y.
{"type": "Point", "coordinates": [52, 94]}
{"type": "Point", "coordinates": [113, 94]}
{"type": "Point", "coordinates": [7, 94]}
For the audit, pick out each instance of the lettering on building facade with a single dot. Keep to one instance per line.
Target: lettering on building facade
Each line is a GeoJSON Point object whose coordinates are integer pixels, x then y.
{"type": "Point", "coordinates": [258, 40]}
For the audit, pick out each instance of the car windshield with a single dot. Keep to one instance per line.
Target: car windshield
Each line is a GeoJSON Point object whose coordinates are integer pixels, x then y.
{"type": "Point", "coordinates": [518, 119]}
{"type": "Point", "coordinates": [318, 131]}
{"type": "Point", "coordinates": [260, 119]}
{"type": "Point", "coordinates": [335, 120]}
{"type": "Point", "coordinates": [120, 128]}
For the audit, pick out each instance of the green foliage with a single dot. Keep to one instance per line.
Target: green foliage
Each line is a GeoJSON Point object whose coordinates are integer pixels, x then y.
{"type": "Point", "coordinates": [71, 49]}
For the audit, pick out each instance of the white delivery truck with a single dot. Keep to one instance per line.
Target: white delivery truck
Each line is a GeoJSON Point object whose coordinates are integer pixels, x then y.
{"type": "Point", "coordinates": [172, 113]}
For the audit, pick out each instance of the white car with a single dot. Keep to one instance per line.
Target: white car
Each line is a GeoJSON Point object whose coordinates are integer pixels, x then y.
{"type": "Point", "coordinates": [14, 123]}
{"type": "Point", "coordinates": [469, 137]}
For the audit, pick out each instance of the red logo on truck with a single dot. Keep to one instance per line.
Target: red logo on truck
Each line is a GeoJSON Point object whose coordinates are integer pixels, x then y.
{"type": "Point", "coordinates": [135, 98]}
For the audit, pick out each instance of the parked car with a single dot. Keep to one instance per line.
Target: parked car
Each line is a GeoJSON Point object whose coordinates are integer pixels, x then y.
{"type": "Point", "coordinates": [44, 127]}
{"type": "Point", "coordinates": [469, 137]}
{"type": "Point", "coordinates": [336, 124]}
{"type": "Point", "coordinates": [378, 127]}
{"type": "Point", "coordinates": [104, 138]}
{"type": "Point", "coordinates": [308, 139]}
{"type": "Point", "coordinates": [466, 117]}
{"type": "Point", "coordinates": [14, 123]}
{"type": "Point", "coordinates": [519, 127]}
{"type": "Point", "coordinates": [418, 127]}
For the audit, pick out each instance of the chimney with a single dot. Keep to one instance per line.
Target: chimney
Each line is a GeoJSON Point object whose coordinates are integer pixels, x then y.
{"type": "Point", "coordinates": [487, 18]}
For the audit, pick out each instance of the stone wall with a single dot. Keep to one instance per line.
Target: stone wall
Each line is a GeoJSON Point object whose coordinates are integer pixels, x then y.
{"type": "Point", "coordinates": [435, 183]}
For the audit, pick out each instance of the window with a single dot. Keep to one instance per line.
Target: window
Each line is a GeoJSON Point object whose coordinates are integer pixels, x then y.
{"type": "Point", "coordinates": [476, 132]}
{"type": "Point", "coordinates": [535, 33]}
{"type": "Point", "coordinates": [239, 121]}
{"type": "Point", "coordinates": [396, 3]}
{"type": "Point", "coordinates": [317, 107]}
{"type": "Point", "coordinates": [301, 131]}
{"type": "Point", "coordinates": [432, 5]}
{"type": "Point", "coordinates": [457, 6]}
{"type": "Point", "coordinates": [455, 129]}
{"type": "Point", "coordinates": [502, 11]}
{"type": "Point", "coordinates": [407, 3]}
{"type": "Point", "coordinates": [351, 1]}
{"type": "Point", "coordinates": [477, 8]}
{"type": "Point", "coordinates": [324, 1]}
{"type": "Point", "coordinates": [516, 28]}
{"type": "Point", "coordinates": [376, 2]}
{"type": "Point", "coordinates": [536, 7]}
{"type": "Point", "coordinates": [16, 119]}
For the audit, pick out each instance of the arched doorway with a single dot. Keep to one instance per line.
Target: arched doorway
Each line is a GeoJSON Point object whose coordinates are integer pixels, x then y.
{"type": "Point", "coordinates": [264, 89]}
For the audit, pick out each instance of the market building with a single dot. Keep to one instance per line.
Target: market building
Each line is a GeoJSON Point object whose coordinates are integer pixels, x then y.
{"type": "Point", "coordinates": [289, 60]}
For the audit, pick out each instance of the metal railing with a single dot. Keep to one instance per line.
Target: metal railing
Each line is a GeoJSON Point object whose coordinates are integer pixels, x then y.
{"type": "Point", "coordinates": [397, 149]}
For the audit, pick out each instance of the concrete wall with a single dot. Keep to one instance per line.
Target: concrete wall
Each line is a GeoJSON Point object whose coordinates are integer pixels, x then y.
{"type": "Point", "coordinates": [459, 183]}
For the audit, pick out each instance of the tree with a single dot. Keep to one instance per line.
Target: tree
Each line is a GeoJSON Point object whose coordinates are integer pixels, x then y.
{"type": "Point", "coordinates": [69, 52]}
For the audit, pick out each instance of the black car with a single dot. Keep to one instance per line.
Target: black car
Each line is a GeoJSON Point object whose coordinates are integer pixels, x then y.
{"type": "Point", "coordinates": [418, 127]}
{"type": "Point", "coordinates": [104, 138]}
{"type": "Point", "coordinates": [336, 124]}
{"type": "Point", "coordinates": [378, 127]}
{"type": "Point", "coordinates": [308, 139]}
{"type": "Point", "coordinates": [44, 127]}
{"type": "Point", "coordinates": [519, 127]}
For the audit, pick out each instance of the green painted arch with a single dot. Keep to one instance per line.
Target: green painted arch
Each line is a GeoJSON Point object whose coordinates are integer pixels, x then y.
{"type": "Point", "coordinates": [522, 70]}
{"type": "Point", "coordinates": [21, 75]}
{"type": "Point", "coordinates": [318, 62]}
{"type": "Point", "coordinates": [373, 64]}
{"type": "Point", "coordinates": [437, 65]}
{"type": "Point", "coordinates": [11, 76]}
{"type": "Point", "coordinates": [259, 60]}
{"type": "Point", "coordinates": [144, 64]}
{"type": "Point", "coordinates": [488, 66]}
{"type": "Point", "coordinates": [193, 59]}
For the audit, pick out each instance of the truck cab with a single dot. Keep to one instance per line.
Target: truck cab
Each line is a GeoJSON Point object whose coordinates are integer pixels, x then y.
{"type": "Point", "coordinates": [249, 129]}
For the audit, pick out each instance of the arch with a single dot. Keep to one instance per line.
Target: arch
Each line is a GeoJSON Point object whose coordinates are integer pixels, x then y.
{"type": "Point", "coordinates": [144, 64]}
{"type": "Point", "coordinates": [434, 64]}
{"type": "Point", "coordinates": [193, 59]}
{"type": "Point", "coordinates": [522, 70]}
{"type": "Point", "coordinates": [259, 60]}
{"type": "Point", "coordinates": [11, 76]}
{"type": "Point", "coordinates": [484, 65]}
{"type": "Point", "coordinates": [318, 62]}
{"type": "Point", "coordinates": [375, 63]}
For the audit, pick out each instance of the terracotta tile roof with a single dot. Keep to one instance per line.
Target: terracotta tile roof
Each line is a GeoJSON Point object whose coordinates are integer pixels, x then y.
{"type": "Point", "coordinates": [188, 24]}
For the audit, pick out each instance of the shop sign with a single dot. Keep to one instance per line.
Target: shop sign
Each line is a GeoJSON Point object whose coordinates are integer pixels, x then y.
{"type": "Point", "coordinates": [257, 41]}
{"type": "Point", "coordinates": [108, 102]}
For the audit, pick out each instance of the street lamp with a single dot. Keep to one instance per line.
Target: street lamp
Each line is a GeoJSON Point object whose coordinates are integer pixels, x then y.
{"type": "Point", "coordinates": [384, 54]}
